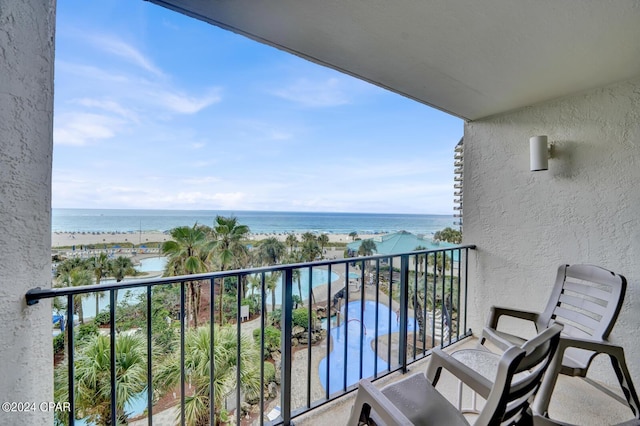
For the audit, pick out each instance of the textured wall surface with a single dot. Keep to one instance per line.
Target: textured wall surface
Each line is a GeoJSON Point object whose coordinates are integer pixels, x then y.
{"type": "Point", "coordinates": [584, 209]}
{"type": "Point", "coordinates": [26, 117]}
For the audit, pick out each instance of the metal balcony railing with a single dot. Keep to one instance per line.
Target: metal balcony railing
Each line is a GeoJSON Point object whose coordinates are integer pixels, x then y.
{"type": "Point", "coordinates": [382, 313]}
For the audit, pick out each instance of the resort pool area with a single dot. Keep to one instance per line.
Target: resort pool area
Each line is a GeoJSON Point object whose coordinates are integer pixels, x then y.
{"type": "Point", "coordinates": [318, 277]}
{"type": "Point", "coordinates": [134, 407]}
{"type": "Point", "coordinates": [152, 264]}
{"type": "Point", "coordinates": [387, 323]}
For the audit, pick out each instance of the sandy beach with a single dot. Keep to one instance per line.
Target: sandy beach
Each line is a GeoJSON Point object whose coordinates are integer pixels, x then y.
{"type": "Point", "coordinates": [68, 239]}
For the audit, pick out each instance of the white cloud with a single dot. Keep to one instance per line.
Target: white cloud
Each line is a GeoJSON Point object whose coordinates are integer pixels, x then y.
{"type": "Point", "coordinates": [180, 102]}
{"type": "Point", "coordinates": [107, 105]}
{"type": "Point", "coordinates": [204, 180]}
{"type": "Point", "coordinates": [126, 51]}
{"type": "Point", "coordinates": [262, 131]}
{"type": "Point", "coordinates": [309, 93]}
{"type": "Point", "coordinates": [79, 129]}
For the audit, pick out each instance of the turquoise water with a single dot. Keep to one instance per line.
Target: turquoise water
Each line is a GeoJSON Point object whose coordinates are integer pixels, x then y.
{"type": "Point", "coordinates": [117, 220]}
{"type": "Point", "coordinates": [146, 265]}
{"type": "Point", "coordinates": [318, 277]}
{"type": "Point", "coordinates": [134, 407]}
{"type": "Point", "coordinates": [152, 264]}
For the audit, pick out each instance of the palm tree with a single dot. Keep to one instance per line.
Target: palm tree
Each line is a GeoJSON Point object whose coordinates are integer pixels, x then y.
{"type": "Point", "coordinates": [367, 248]}
{"type": "Point", "coordinates": [119, 268]}
{"type": "Point", "coordinates": [296, 273]}
{"type": "Point", "coordinates": [323, 240]}
{"type": "Point", "coordinates": [291, 241]}
{"type": "Point", "coordinates": [229, 250]}
{"type": "Point", "coordinates": [197, 364]}
{"type": "Point", "coordinates": [417, 295]}
{"type": "Point", "coordinates": [100, 265]}
{"type": "Point", "coordinates": [308, 236]}
{"type": "Point", "coordinates": [418, 260]}
{"type": "Point", "coordinates": [310, 250]}
{"type": "Point", "coordinates": [70, 264]}
{"type": "Point", "coordinates": [74, 278]}
{"type": "Point", "coordinates": [271, 251]}
{"type": "Point", "coordinates": [271, 283]}
{"type": "Point", "coordinates": [353, 235]}
{"type": "Point", "coordinates": [448, 234]}
{"type": "Point", "coordinates": [93, 377]}
{"type": "Point", "coordinates": [436, 258]}
{"type": "Point", "coordinates": [255, 281]}
{"type": "Point", "coordinates": [188, 250]}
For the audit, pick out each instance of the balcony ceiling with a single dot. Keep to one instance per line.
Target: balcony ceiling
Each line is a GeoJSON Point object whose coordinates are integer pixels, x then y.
{"type": "Point", "coordinates": [470, 58]}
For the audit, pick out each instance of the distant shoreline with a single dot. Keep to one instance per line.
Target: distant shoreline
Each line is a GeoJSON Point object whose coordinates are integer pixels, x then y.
{"type": "Point", "coordinates": [69, 239]}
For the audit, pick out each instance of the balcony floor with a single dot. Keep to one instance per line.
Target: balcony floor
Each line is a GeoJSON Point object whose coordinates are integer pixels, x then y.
{"type": "Point", "coordinates": [574, 400]}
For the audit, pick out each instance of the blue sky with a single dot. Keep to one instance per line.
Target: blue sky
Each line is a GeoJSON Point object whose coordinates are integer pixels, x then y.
{"type": "Point", "coordinates": [156, 110]}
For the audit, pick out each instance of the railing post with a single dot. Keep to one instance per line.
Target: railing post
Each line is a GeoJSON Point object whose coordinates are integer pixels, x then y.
{"type": "Point", "coordinates": [71, 361]}
{"type": "Point", "coordinates": [112, 350]}
{"type": "Point", "coordinates": [404, 308]}
{"type": "Point", "coordinates": [287, 320]}
{"type": "Point", "coordinates": [212, 367]}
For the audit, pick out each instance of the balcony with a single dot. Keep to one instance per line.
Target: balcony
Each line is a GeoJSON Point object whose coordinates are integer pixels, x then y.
{"type": "Point", "coordinates": [373, 317]}
{"type": "Point", "coordinates": [338, 321]}
{"type": "Point", "coordinates": [582, 209]}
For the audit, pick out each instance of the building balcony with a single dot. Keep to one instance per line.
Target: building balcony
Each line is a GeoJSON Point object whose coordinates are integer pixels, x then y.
{"type": "Point", "coordinates": [352, 318]}
{"type": "Point", "coordinates": [337, 321]}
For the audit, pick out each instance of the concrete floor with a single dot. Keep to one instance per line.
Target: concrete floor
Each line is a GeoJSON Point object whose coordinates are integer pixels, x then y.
{"type": "Point", "coordinates": [574, 400]}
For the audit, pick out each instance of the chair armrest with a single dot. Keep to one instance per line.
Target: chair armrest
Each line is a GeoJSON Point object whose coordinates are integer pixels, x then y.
{"type": "Point", "coordinates": [504, 340]}
{"type": "Point", "coordinates": [496, 312]}
{"type": "Point", "coordinates": [468, 376]}
{"type": "Point", "coordinates": [369, 395]}
{"type": "Point", "coordinates": [590, 345]}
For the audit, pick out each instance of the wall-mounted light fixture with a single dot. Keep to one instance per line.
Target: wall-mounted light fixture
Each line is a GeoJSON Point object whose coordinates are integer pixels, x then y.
{"type": "Point", "coordinates": [540, 152]}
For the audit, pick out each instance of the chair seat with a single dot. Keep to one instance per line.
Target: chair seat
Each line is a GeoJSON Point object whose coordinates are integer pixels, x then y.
{"type": "Point", "coordinates": [422, 403]}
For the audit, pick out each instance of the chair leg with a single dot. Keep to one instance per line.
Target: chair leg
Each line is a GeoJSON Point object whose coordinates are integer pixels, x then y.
{"type": "Point", "coordinates": [540, 405]}
{"type": "Point", "coordinates": [624, 378]}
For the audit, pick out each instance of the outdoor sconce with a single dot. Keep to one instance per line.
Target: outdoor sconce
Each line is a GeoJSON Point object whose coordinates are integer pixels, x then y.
{"type": "Point", "coordinates": [540, 152]}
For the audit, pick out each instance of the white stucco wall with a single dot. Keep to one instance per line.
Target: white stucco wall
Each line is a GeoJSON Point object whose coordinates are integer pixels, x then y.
{"type": "Point", "coordinates": [26, 117]}
{"type": "Point", "coordinates": [584, 209]}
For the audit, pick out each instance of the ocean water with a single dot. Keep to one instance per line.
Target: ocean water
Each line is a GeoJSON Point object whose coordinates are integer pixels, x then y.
{"type": "Point", "coordinates": [116, 220]}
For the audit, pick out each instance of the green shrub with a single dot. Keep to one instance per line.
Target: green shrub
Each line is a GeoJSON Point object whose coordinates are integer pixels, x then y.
{"type": "Point", "coordinates": [58, 343]}
{"type": "Point", "coordinates": [274, 317]}
{"type": "Point", "coordinates": [269, 373]}
{"type": "Point", "coordinates": [85, 331]}
{"type": "Point", "coordinates": [301, 318]}
{"type": "Point", "coordinates": [271, 339]}
{"type": "Point", "coordinates": [102, 318]}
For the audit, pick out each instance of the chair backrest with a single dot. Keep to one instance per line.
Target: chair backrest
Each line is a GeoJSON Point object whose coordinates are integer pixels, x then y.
{"type": "Point", "coordinates": [587, 300]}
{"type": "Point", "coordinates": [511, 395]}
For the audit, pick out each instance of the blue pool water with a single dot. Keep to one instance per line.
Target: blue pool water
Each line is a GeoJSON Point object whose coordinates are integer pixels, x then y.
{"type": "Point", "coordinates": [356, 331]}
{"type": "Point", "coordinates": [134, 407]}
{"type": "Point", "coordinates": [318, 277]}
{"type": "Point", "coordinates": [152, 264]}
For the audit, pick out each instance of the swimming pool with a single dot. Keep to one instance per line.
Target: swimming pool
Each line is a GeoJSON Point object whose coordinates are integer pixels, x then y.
{"type": "Point", "coordinates": [355, 330]}
{"type": "Point", "coordinates": [152, 264]}
{"type": "Point", "coordinates": [318, 277]}
{"type": "Point", "coordinates": [133, 407]}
